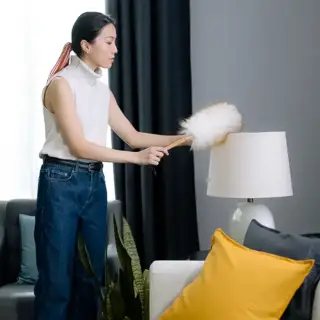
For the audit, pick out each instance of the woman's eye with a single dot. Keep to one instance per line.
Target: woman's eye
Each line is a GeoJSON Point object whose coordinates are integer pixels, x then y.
{"type": "Point", "coordinates": [109, 43]}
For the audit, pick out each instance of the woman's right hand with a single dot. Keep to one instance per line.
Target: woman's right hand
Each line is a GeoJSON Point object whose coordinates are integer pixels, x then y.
{"type": "Point", "coordinates": [151, 155]}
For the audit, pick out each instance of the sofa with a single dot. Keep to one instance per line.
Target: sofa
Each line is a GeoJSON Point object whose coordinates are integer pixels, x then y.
{"type": "Point", "coordinates": [168, 278]}
{"type": "Point", "coordinates": [16, 300]}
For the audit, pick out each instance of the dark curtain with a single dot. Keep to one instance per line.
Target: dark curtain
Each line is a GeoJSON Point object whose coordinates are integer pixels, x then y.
{"type": "Point", "coordinates": [151, 80]}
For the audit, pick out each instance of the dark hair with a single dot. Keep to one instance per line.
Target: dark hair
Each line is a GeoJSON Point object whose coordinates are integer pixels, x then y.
{"type": "Point", "coordinates": [87, 27]}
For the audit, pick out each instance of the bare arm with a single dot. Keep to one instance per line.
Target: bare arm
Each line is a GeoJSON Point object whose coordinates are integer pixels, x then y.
{"type": "Point", "coordinates": [135, 139]}
{"type": "Point", "coordinates": [59, 99]}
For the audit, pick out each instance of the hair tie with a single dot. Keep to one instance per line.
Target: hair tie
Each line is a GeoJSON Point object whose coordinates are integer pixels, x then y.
{"type": "Point", "coordinates": [63, 60]}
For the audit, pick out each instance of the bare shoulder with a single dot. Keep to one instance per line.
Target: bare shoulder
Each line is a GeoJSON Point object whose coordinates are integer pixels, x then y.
{"type": "Point", "coordinates": [58, 93]}
{"type": "Point", "coordinates": [61, 104]}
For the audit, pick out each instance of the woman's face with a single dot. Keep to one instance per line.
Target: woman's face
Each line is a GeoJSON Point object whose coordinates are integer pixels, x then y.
{"type": "Point", "coordinates": [101, 52]}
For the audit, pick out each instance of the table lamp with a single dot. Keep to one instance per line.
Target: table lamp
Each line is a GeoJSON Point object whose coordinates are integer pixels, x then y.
{"type": "Point", "coordinates": [250, 166]}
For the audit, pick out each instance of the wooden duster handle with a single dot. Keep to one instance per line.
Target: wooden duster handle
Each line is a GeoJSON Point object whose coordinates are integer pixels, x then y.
{"type": "Point", "coordinates": [178, 142]}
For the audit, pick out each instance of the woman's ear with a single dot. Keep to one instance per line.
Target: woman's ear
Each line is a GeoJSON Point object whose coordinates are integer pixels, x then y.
{"type": "Point", "coordinates": [85, 46]}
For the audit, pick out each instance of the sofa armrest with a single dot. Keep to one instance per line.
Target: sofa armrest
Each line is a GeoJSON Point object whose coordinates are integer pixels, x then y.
{"type": "Point", "coordinates": [114, 210]}
{"type": "Point", "coordinates": [167, 280]}
{"type": "Point", "coordinates": [316, 304]}
{"type": "Point", "coordinates": [3, 205]}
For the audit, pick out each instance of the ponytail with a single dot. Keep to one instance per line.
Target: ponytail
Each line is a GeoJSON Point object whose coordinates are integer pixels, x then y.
{"type": "Point", "coordinates": [63, 60]}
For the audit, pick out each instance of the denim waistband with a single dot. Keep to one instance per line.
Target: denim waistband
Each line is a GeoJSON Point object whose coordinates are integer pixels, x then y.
{"type": "Point", "coordinates": [90, 166]}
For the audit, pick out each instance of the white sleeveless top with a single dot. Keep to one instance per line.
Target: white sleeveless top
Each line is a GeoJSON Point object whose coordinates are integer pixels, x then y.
{"type": "Point", "coordinates": [91, 97]}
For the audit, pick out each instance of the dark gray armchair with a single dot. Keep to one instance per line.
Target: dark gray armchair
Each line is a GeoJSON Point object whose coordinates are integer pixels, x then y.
{"type": "Point", "coordinates": [16, 300]}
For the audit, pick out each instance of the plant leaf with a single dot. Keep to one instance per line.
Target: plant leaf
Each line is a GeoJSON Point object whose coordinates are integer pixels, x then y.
{"type": "Point", "coordinates": [146, 286]}
{"type": "Point", "coordinates": [108, 307]}
{"type": "Point", "coordinates": [125, 273]}
{"type": "Point", "coordinates": [124, 258]}
{"type": "Point", "coordinates": [117, 301]}
{"type": "Point", "coordinates": [130, 246]}
{"type": "Point", "coordinates": [131, 274]}
{"type": "Point", "coordinates": [132, 303]}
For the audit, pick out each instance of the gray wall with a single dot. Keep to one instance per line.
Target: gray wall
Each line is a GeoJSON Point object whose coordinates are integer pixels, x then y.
{"type": "Point", "coordinates": [263, 56]}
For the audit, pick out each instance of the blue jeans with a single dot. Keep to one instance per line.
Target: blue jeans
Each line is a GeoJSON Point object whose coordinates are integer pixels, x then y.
{"type": "Point", "coordinates": [71, 197]}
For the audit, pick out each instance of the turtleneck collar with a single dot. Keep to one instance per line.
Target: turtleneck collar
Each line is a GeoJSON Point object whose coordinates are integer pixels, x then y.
{"type": "Point", "coordinates": [91, 75]}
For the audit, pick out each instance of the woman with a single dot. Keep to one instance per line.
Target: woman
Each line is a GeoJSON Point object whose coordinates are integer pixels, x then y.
{"type": "Point", "coordinates": [72, 192]}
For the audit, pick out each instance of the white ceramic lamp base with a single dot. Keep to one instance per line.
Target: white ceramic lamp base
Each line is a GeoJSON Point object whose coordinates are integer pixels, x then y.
{"type": "Point", "coordinates": [243, 215]}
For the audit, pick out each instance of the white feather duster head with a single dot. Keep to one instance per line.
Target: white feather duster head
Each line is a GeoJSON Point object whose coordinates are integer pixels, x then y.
{"type": "Point", "coordinates": [211, 125]}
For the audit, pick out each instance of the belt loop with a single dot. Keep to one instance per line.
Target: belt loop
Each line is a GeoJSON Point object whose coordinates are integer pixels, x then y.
{"type": "Point", "coordinates": [77, 166]}
{"type": "Point", "coordinates": [91, 167]}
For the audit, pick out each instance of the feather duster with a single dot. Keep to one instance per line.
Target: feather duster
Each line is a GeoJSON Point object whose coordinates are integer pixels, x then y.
{"type": "Point", "coordinates": [209, 126]}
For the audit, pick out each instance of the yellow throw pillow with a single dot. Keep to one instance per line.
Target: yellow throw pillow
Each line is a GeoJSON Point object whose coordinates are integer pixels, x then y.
{"type": "Point", "coordinates": [237, 283]}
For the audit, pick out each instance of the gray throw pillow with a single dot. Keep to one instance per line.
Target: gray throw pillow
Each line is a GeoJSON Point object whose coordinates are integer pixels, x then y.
{"type": "Point", "coordinates": [293, 246]}
{"type": "Point", "coordinates": [28, 268]}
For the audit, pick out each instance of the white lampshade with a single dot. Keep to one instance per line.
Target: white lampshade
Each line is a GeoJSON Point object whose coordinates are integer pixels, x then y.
{"type": "Point", "coordinates": [250, 165]}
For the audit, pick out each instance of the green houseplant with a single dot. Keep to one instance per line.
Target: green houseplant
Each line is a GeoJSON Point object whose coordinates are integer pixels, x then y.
{"type": "Point", "coordinates": [126, 295]}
